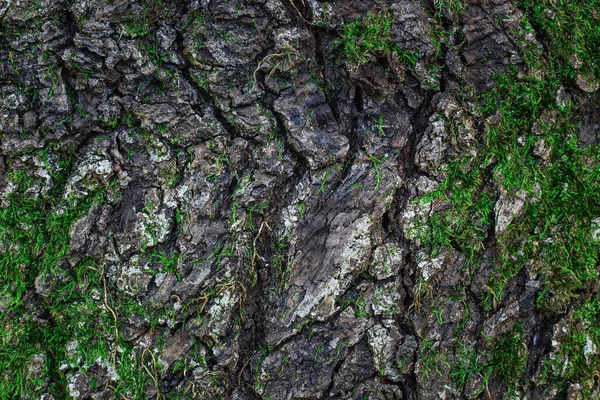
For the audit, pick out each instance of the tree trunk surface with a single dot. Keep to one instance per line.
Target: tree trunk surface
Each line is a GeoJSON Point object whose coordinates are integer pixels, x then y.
{"type": "Point", "coordinates": [299, 199]}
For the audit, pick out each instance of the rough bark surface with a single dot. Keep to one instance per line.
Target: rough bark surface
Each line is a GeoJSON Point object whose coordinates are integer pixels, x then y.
{"type": "Point", "coordinates": [248, 200]}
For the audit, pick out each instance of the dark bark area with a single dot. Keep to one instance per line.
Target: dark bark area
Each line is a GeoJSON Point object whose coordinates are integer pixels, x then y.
{"type": "Point", "coordinates": [246, 203]}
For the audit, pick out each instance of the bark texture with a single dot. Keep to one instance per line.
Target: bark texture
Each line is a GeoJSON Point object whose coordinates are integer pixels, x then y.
{"type": "Point", "coordinates": [247, 207]}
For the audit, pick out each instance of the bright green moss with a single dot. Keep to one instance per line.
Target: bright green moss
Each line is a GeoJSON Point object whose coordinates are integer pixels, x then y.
{"type": "Point", "coordinates": [370, 37]}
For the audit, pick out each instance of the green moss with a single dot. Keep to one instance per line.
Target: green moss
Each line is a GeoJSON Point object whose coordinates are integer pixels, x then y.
{"type": "Point", "coordinates": [503, 359]}
{"type": "Point", "coordinates": [370, 37]}
{"type": "Point", "coordinates": [280, 263]}
{"type": "Point", "coordinates": [34, 233]}
{"type": "Point", "coordinates": [452, 8]}
{"type": "Point", "coordinates": [71, 323]}
{"type": "Point", "coordinates": [145, 18]}
{"type": "Point", "coordinates": [572, 31]}
{"type": "Point", "coordinates": [553, 237]}
{"type": "Point", "coordinates": [167, 264]}
{"type": "Point", "coordinates": [431, 359]}
{"type": "Point", "coordinates": [507, 359]}
{"type": "Point", "coordinates": [576, 361]}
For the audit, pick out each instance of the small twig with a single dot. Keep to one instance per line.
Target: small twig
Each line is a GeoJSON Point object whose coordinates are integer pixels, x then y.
{"type": "Point", "coordinates": [267, 58]}
{"type": "Point", "coordinates": [114, 389]}
{"type": "Point", "coordinates": [299, 13]}
{"type": "Point", "coordinates": [242, 371]}
{"type": "Point", "coordinates": [155, 375]}
{"type": "Point", "coordinates": [487, 389]}
{"type": "Point", "coordinates": [114, 351]}
{"type": "Point", "coordinates": [204, 297]}
{"type": "Point", "coordinates": [254, 252]}
{"type": "Point", "coordinates": [222, 287]}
